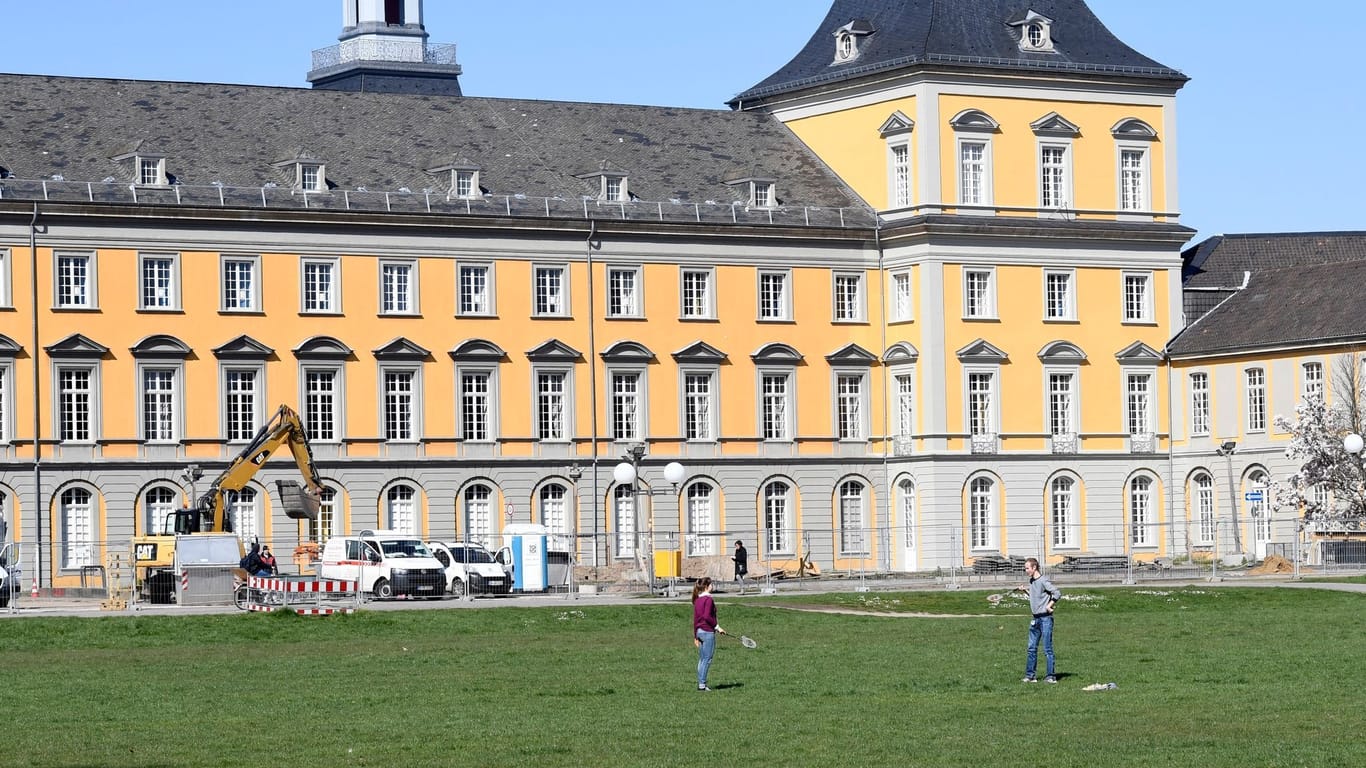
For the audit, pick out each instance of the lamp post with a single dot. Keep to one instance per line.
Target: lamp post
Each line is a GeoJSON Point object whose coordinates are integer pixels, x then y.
{"type": "Point", "coordinates": [1225, 449]}
{"type": "Point", "coordinates": [628, 473]}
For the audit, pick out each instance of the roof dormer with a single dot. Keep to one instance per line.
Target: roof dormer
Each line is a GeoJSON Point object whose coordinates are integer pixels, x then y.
{"type": "Point", "coordinates": [146, 165]}
{"type": "Point", "coordinates": [612, 183]}
{"type": "Point", "coordinates": [761, 191]}
{"type": "Point", "coordinates": [304, 171]}
{"type": "Point", "coordinates": [464, 177]}
{"type": "Point", "coordinates": [1035, 30]}
{"type": "Point", "coordinates": [849, 40]}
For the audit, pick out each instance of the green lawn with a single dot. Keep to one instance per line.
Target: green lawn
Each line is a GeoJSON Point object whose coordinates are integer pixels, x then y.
{"type": "Point", "coordinates": [1206, 676]}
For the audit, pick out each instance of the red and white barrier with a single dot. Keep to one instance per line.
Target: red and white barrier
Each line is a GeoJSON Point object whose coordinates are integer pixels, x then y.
{"type": "Point", "coordinates": [285, 587]}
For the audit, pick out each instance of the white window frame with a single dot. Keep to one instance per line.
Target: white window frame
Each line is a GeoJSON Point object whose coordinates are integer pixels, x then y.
{"type": "Point", "coordinates": [1142, 507]}
{"type": "Point", "coordinates": [1200, 403]}
{"type": "Point", "coordinates": [169, 428]}
{"type": "Point", "coordinates": [982, 514]}
{"type": "Point", "coordinates": [244, 509]}
{"type": "Point", "coordinates": [853, 514]}
{"type": "Point", "coordinates": [614, 189]}
{"type": "Point", "coordinates": [902, 298]}
{"type": "Point", "coordinates": [900, 181]}
{"type": "Point", "coordinates": [850, 404]}
{"type": "Point", "coordinates": [6, 401]}
{"type": "Point", "coordinates": [475, 303]}
{"type": "Point", "coordinates": [699, 500]}
{"type": "Point", "coordinates": [774, 309]}
{"type": "Point", "coordinates": [846, 308]}
{"type": "Point", "coordinates": [1203, 508]}
{"type": "Point", "coordinates": [1064, 512]}
{"type": "Point", "coordinates": [323, 430]}
{"type": "Point", "coordinates": [310, 177]}
{"type": "Point", "coordinates": [326, 300]}
{"type": "Point", "coordinates": [391, 398]}
{"type": "Point", "coordinates": [1071, 413]}
{"type": "Point", "coordinates": [248, 300]}
{"type": "Point", "coordinates": [988, 309]}
{"type": "Point", "coordinates": [464, 184]}
{"type": "Point", "coordinates": [1067, 313]}
{"type": "Point", "coordinates": [566, 403]}
{"type": "Point", "coordinates": [6, 279]}
{"type": "Point", "coordinates": [787, 419]}
{"type": "Point", "coordinates": [627, 411]}
{"type": "Point", "coordinates": [699, 413]}
{"type": "Point", "coordinates": [165, 298]}
{"type": "Point", "coordinates": [1311, 380]}
{"type": "Point", "coordinates": [903, 404]}
{"type": "Point", "coordinates": [616, 305]}
{"type": "Point", "coordinates": [84, 421]}
{"type": "Point", "coordinates": [1062, 178]}
{"type": "Point", "coordinates": [1124, 190]}
{"type": "Point", "coordinates": [1149, 399]}
{"type": "Point", "coordinates": [690, 306]}
{"type": "Point", "coordinates": [624, 501]}
{"type": "Point", "coordinates": [1255, 399]}
{"type": "Point", "coordinates": [242, 432]}
{"type": "Point", "coordinates": [68, 292]}
{"type": "Point", "coordinates": [985, 196]}
{"type": "Point", "coordinates": [778, 517]}
{"type": "Point", "coordinates": [554, 511]}
{"type": "Point", "coordinates": [392, 296]}
{"type": "Point", "coordinates": [476, 502]}
{"type": "Point", "coordinates": [1146, 313]}
{"type": "Point", "coordinates": [402, 508]}
{"type": "Point", "coordinates": [330, 515]}
{"type": "Point", "coordinates": [151, 171]}
{"type": "Point", "coordinates": [79, 525]}
{"type": "Point", "coordinates": [154, 512]}
{"type": "Point", "coordinates": [973, 417]}
{"type": "Point", "coordinates": [763, 194]}
{"type": "Point", "coordinates": [463, 399]}
{"type": "Point", "coordinates": [550, 290]}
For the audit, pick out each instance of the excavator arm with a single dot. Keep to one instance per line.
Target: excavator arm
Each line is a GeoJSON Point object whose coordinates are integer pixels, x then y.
{"type": "Point", "coordinates": [300, 502]}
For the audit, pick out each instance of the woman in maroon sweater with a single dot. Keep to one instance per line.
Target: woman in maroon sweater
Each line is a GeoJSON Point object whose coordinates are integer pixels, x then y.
{"type": "Point", "coordinates": [704, 628]}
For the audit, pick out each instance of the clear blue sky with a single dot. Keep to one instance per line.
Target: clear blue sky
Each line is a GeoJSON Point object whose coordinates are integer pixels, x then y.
{"type": "Point", "coordinates": [1255, 156]}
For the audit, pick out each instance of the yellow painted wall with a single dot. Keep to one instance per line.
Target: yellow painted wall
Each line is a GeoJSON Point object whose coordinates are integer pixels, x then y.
{"type": "Point", "coordinates": [848, 141]}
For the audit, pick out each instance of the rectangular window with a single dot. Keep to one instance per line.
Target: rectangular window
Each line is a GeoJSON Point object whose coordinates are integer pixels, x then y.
{"type": "Point", "coordinates": [320, 287]}
{"type": "Point", "coordinates": [310, 178]}
{"type": "Point", "coordinates": [848, 297]}
{"type": "Point", "coordinates": [849, 406]}
{"type": "Point", "coordinates": [981, 404]}
{"type": "Point", "coordinates": [400, 405]}
{"type": "Point", "coordinates": [763, 194]}
{"type": "Point", "coordinates": [6, 300]}
{"type": "Point", "coordinates": [1133, 183]}
{"type": "Point", "coordinates": [4, 407]}
{"type": "Point", "coordinates": [697, 300]}
{"type": "Point", "coordinates": [158, 405]}
{"type": "Point", "coordinates": [464, 183]}
{"type": "Point", "coordinates": [550, 406]}
{"type": "Point", "coordinates": [397, 287]}
{"type": "Point", "coordinates": [1053, 177]}
{"type": "Point", "coordinates": [1141, 518]}
{"type": "Point", "coordinates": [625, 404]}
{"type": "Point", "coordinates": [240, 293]}
{"type": "Point", "coordinates": [979, 293]}
{"type": "Point", "coordinates": [474, 406]}
{"type": "Point", "coordinates": [905, 404]}
{"type": "Point", "coordinates": [775, 406]}
{"type": "Point", "coordinates": [1256, 399]}
{"type": "Point", "coordinates": [1063, 512]}
{"type": "Point", "coordinates": [320, 404]}
{"type": "Point", "coordinates": [612, 188]}
{"type": "Point", "coordinates": [972, 171]}
{"type": "Point", "coordinates": [1312, 386]}
{"type": "Point", "coordinates": [241, 403]}
{"type": "Point", "coordinates": [1060, 301]}
{"type": "Point", "coordinates": [75, 281]}
{"type": "Point", "coordinates": [697, 407]}
{"type": "Point", "coordinates": [1061, 404]}
{"type": "Point", "coordinates": [76, 398]}
{"type": "Point", "coordinates": [159, 283]}
{"type": "Point", "coordinates": [78, 525]}
{"type": "Point", "coordinates": [901, 175]}
{"type": "Point", "coordinates": [1138, 403]}
{"type": "Point", "coordinates": [550, 291]}
{"type": "Point", "coordinates": [1199, 403]}
{"type": "Point", "coordinates": [903, 304]}
{"type": "Point", "coordinates": [476, 297]}
{"type": "Point", "coordinates": [1138, 297]}
{"type": "Point", "coordinates": [1204, 509]}
{"type": "Point", "coordinates": [775, 301]}
{"type": "Point", "coordinates": [623, 293]}
{"type": "Point", "coordinates": [149, 171]}
{"type": "Point", "coordinates": [851, 519]}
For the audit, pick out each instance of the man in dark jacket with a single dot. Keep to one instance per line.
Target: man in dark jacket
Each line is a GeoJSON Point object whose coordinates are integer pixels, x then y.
{"type": "Point", "coordinates": [741, 559]}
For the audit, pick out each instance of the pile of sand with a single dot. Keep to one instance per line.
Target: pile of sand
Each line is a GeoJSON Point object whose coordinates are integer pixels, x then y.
{"type": "Point", "coordinates": [1272, 564]}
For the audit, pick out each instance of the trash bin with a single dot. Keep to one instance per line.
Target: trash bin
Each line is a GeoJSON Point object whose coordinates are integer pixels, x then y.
{"type": "Point", "coordinates": [159, 587]}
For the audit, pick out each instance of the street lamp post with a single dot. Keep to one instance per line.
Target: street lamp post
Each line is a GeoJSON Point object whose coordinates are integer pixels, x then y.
{"type": "Point", "coordinates": [628, 473]}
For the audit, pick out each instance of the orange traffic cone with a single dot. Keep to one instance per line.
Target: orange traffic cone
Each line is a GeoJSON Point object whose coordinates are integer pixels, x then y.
{"type": "Point", "coordinates": [35, 586]}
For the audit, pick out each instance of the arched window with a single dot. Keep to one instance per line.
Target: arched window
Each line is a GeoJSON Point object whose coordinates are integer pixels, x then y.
{"type": "Point", "coordinates": [1142, 518]}
{"type": "Point", "coordinates": [778, 517]}
{"type": "Point", "coordinates": [907, 505]}
{"type": "Point", "coordinates": [851, 518]}
{"type": "Point", "coordinates": [701, 520]}
{"type": "Point", "coordinates": [329, 517]}
{"type": "Point", "coordinates": [1203, 508]}
{"type": "Point", "coordinates": [157, 504]}
{"type": "Point", "coordinates": [400, 511]}
{"type": "Point", "coordinates": [1062, 513]}
{"type": "Point", "coordinates": [981, 512]}
{"type": "Point", "coordinates": [243, 512]}
{"type": "Point", "coordinates": [557, 515]}
{"type": "Point", "coordinates": [1259, 512]}
{"type": "Point", "coordinates": [624, 505]}
{"type": "Point", "coordinates": [479, 513]}
{"type": "Point", "coordinates": [78, 528]}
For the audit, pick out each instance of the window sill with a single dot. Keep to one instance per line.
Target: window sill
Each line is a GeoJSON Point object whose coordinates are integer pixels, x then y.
{"type": "Point", "coordinates": [1062, 320]}
{"type": "Point", "coordinates": [981, 318]}
{"type": "Point", "coordinates": [775, 320]}
{"type": "Point", "coordinates": [402, 315]}
{"type": "Point", "coordinates": [1151, 323]}
{"type": "Point", "coordinates": [321, 313]}
{"type": "Point", "coordinates": [854, 321]}
{"type": "Point", "coordinates": [691, 319]}
{"type": "Point", "coordinates": [74, 309]}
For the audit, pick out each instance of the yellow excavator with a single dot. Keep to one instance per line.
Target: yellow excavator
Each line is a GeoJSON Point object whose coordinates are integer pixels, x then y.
{"type": "Point", "coordinates": [156, 553]}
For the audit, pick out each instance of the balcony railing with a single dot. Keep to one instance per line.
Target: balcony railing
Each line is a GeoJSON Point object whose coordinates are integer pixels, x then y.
{"type": "Point", "coordinates": [388, 51]}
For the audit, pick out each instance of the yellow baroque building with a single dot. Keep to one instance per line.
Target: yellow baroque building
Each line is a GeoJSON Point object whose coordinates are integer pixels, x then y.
{"type": "Point", "coordinates": [903, 307]}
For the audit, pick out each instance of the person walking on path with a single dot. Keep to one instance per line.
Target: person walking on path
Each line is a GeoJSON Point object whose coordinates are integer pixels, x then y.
{"type": "Point", "coordinates": [1043, 596]}
{"type": "Point", "coordinates": [741, 559]}
{"type": "Point", "coordinates": [704, 629]}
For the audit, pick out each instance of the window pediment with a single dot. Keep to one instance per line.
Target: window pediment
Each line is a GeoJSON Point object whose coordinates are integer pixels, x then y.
{"type": "Point", "coordinates": [974, 121]}
{"type": "Point", "coordinates": [700, 352]}
{"type": "Point", "coordinates": [554, 351]}
{"type": "Point", "coordinates": [901, 352]}
{"type": "Point", "coordinates": [77, 346]}
{"type": "Point", "coordinates": [1054, 124]}
{"type": "Point", "coordinates": [1138, 353]}
{"type": "Point", "coordinates": [1062, 352]}
{"type": "Point", "coordinates": [1133, 128]}
{"type": "Point", "coordinates": [8, 347]}
{"type": "Point", "coordinates": [612, 182]}
{"type": "Point", "coordinates": [243, 347]}
{"type": "Point", "coordinates": [402, 349]}
{"type": "Point", "coordinates": [304, 171]}
{"type": "Point", "coordinates": [627, 352]}
{"type": "Point", "coordinates": [896, 124]}
{"type": "Point", "coordinates": [851, 354]}
{"type": "Point", "coordinates": [981, 351]}
{"type": "Point", "coordinates": [777, 354]}
{"type": "Point", "coordinates": [322, 348]}
{"type": "Point", "coordinates": [161, 346]}
{"type": "Point", "coordinates": [478, 351]}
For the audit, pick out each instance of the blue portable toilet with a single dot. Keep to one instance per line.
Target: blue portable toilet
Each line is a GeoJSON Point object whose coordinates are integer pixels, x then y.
{"type": "Point", "coordinates": [526, 544]}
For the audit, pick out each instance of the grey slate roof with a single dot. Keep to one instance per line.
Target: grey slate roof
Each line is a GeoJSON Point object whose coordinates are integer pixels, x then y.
{"type": "Point", "coordinates": [1291, 306]}
{"type": "Point", "coordinates": [233, 134]}
{"type": "Point", "coordinates": [1214, 269]}
{"type": "Point", "coordinates": [971, 33]}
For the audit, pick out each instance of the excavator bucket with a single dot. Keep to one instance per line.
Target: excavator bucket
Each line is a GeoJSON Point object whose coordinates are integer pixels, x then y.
{"type": "Point", "coordinates": [299, 504]}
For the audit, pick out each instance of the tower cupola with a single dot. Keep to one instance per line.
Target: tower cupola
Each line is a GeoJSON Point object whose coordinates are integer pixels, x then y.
{"type": "Point", "coordinates": [383, 48]}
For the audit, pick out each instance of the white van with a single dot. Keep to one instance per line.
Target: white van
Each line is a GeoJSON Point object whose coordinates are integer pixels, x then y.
{"type": "Point", "coordinates": [385, 563]}
{"type": "Point", "coordinates": [470, 566]}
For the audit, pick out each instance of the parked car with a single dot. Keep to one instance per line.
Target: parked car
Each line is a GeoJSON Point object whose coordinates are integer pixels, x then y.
{"type": "Point", "coordinates": [470, 566]}
{"type": "Point", "coordinates": [385, 563]}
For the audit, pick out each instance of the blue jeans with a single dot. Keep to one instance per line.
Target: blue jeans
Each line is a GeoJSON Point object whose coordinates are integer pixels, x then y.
{"type": "Point", "coordinates": [704, 655]}
{"type": "Point", "coordinates": [1039, 628]}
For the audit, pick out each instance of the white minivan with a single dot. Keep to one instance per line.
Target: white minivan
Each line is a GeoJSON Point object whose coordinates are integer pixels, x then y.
{"type": "Point", "coordinates": [385, 564]}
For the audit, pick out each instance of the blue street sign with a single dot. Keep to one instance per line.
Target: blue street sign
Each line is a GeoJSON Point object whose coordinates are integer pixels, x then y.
{"type": "Point", "coordinates": [1252, 496]}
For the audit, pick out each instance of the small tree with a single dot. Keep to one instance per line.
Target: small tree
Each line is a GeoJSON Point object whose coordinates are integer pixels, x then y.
{"type": "Point", "coordinates": [1330, 483]}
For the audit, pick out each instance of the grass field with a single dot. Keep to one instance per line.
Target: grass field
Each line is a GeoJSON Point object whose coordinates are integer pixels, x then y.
{"type": "Point", "coordinates": [1206, 677]}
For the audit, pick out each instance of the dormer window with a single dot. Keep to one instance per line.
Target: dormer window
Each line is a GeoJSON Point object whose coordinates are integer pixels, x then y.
{"type": "Point", "coordinates": [311, 177]}
{"type": "Point", "coordinates": [151, 171]}
{"type": "Point", "coordinates": [849, 38]}
{"type": "Point", "coordinates": [464, 183]}
{"type": "Point", "coordinates": [613, 183]}
{"type": "Point", "coordinates": [762, 190]}
{"type": "Point", "coordinates": [1036, 32]}
{"type": "Point", "coordinates": [305, 172]}
{"type": "Point", "coordinates": [761, 194]}
{"type": "Point", "coordinates": [613, 188]}
{"type": "Point", "coordinates": [464, 177]}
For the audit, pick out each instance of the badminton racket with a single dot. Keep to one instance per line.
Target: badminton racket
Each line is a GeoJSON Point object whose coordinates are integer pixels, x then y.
{"type": "Point", "coordinates": [745, 640]}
